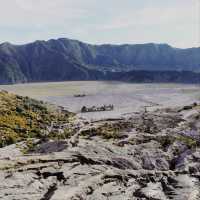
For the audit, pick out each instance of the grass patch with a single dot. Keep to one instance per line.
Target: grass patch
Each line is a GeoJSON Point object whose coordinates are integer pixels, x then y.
{"type": "Point", "coordinates": [22, 118]}
{"type": "Point", "coordinates": [108, 130]}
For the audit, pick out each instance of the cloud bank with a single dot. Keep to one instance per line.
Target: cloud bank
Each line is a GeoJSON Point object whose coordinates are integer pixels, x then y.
{"type": "Point", "coordinates": [176, 22]}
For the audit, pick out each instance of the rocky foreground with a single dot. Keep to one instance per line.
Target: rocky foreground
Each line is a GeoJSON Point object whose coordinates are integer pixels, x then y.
{"type": "Point", "coordinates": [151, 155]}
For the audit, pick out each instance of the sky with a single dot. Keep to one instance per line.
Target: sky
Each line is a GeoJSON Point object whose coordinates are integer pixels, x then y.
{"type": "Point", "coordinates": [176, 22]}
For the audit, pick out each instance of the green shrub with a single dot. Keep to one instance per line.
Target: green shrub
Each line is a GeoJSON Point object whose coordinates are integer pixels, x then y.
{"type": "Point", "coordinates": [23, 117]}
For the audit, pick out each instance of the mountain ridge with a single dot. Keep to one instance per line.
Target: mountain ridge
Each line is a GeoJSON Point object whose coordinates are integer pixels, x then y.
{"type": "Point", "coordinates": [66, 59]}
{"type": "Point", "coordinates": [93, 44]}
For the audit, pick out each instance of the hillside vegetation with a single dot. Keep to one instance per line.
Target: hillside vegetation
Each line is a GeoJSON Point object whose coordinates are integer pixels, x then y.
{"type": "Point", "coordinates": [22, 118]}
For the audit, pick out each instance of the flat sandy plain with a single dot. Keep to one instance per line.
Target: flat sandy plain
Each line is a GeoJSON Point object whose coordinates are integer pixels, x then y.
{"type": "Point", "coordinates": [126, 97]}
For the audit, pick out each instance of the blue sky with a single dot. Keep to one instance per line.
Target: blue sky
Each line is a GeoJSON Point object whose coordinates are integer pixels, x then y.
{"type": "Point", "coordinates": [176, 22]}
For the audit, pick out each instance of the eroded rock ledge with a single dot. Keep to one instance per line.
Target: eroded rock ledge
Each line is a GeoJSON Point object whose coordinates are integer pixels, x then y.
{"type": "Point", "coordinates": [149, 156]}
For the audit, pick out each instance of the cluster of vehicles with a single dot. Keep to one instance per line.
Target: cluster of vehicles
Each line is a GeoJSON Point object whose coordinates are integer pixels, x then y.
{"type": "Point", "coordinates": [84, 109]}
{"type": "Point", "coordinates": [97, 109]}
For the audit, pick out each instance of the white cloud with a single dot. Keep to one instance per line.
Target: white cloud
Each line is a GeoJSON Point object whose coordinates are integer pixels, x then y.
{"type": "Point", "coordinates": [156, 15]}
{"type": "Point", "coordinates": [105, 21]}
{"type": "Point", "coordinates": [157, 22]}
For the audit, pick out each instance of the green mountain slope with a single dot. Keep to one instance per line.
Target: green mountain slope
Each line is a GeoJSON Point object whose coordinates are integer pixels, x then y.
{"type": "Point", "coordinates": [64, 59]}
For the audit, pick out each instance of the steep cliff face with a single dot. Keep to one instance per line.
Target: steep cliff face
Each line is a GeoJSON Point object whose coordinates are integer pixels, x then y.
{"type": "Point", "coordinates": [38, 62]}
{"type": "Point", "coordinates": [65, 59]}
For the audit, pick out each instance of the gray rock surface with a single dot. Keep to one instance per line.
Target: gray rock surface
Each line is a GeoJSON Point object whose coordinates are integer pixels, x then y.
{"type": "Point", "coordinates": [155, 159]}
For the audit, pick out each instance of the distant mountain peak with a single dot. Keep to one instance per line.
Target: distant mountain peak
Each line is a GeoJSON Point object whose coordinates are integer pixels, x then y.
{"type": "Point", "coordinates": [67, 59]}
